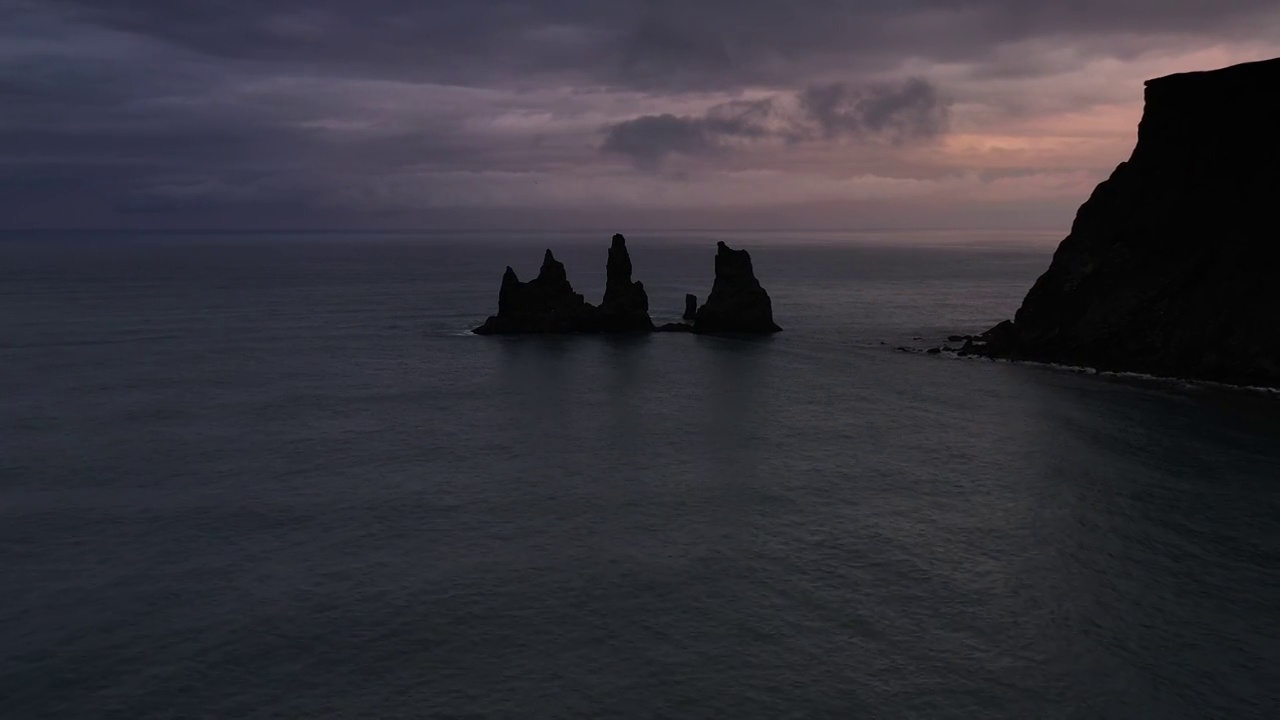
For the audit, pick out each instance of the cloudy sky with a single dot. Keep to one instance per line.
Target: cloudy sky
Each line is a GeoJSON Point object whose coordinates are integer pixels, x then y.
{"type": "Point", "coordinates": [585, 113]}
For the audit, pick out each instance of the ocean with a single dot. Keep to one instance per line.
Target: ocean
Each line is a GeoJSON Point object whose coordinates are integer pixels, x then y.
{"type": "Point", "coordinates": [273, 476]}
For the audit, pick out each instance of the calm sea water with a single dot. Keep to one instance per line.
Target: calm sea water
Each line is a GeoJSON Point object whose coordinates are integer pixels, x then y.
{"type": "Point", "coordinates": [271, 476]}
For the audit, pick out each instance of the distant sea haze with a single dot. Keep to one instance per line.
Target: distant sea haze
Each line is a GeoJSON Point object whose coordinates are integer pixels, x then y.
{"type": "Point", "coordinates": [274, 475]}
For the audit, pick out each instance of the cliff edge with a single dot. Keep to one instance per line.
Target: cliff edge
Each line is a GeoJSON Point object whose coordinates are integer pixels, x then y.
{"type": "Point", "coordinates": [1169, 265]}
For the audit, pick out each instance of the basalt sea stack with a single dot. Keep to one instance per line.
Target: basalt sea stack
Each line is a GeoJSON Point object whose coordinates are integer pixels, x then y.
{"type": "Point", "coordinates": [625, 307]}
{"type": "Point", "coordinates": [690, 306]}
{"type": "Point", "coordinates": [546, 304]}
{"type": "Point", "coordinates": [737, 303]}
{"type": "Point", "coordinates": [1170, 266]}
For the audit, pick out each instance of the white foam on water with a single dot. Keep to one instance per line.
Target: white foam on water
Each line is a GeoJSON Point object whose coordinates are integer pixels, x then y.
{"type": "Point", "coordinates": [1127, 375]}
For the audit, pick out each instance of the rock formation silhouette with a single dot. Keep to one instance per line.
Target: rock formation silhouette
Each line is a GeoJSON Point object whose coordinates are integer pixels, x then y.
{"type": "Point", "coordinates": [690, 307]}
{"type": "Point", "coordinates": [737, 303]}
{"type": "Point", "coordinates": [625, 307]}
{"type": "Point", "coordinates": [1168, 268]}
{"type": "Point", "coordinates": [546, 304]}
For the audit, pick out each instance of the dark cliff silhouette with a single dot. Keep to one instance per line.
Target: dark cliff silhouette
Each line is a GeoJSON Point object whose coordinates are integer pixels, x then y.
{"type": "Point", "coordinates": [548, 304]}
{"type": "Point", "coordinates": [1169, 266]}
{"type": "Point", "coordinates": [737, 303]}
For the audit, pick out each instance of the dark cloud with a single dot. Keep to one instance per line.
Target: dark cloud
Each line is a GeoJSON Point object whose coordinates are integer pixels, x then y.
{"type": "Point", "coordinates": [887, 112]}
{"type": "Point", "coordinates": [650, 138]}
{"type": "Point", "coordinates": [639, 43]}
{"type": "Point", "coordinates": [911, 110]}
{"type": "Point", "coordinates": [191, 108]}
{"type": "Point", "coordinates": [118, 123]}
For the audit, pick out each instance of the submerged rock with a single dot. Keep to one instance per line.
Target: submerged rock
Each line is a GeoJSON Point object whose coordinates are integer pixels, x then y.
{"type": "Point", "coordinates": [737, 303]}
{"type": "Point", "coordinates": [1167, 269]}
{"type": "Point", "coordinates": [546, 304]}
{"type": "Point", "coordinates": [675, 327]}
{"type": "Point", "coordinates": [690, 306]}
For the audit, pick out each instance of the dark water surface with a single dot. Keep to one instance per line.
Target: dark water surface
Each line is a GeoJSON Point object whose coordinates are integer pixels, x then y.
{"type": "Point", "coordinates": [257, 476]}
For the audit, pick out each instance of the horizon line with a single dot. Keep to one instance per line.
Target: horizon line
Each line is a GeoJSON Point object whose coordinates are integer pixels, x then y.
{"type": "Point", "coordinates": [436, 231]}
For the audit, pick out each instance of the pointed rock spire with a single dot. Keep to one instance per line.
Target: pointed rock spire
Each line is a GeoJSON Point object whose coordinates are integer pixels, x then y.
{"type": "Point", "coordinates": [546, 304]}
{"type": "Point", "coordinates": [625, 306]}
{"type": "Point", "coordinates": [552, 271]}
{"type": "Point", "coordinates": [737, 303]}
{"type": "Point", "coordinates": [509, 294]}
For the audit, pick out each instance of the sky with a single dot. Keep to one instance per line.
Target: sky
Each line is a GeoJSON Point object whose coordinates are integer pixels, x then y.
{"type": "Point", "coordinates": [584, 114]}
